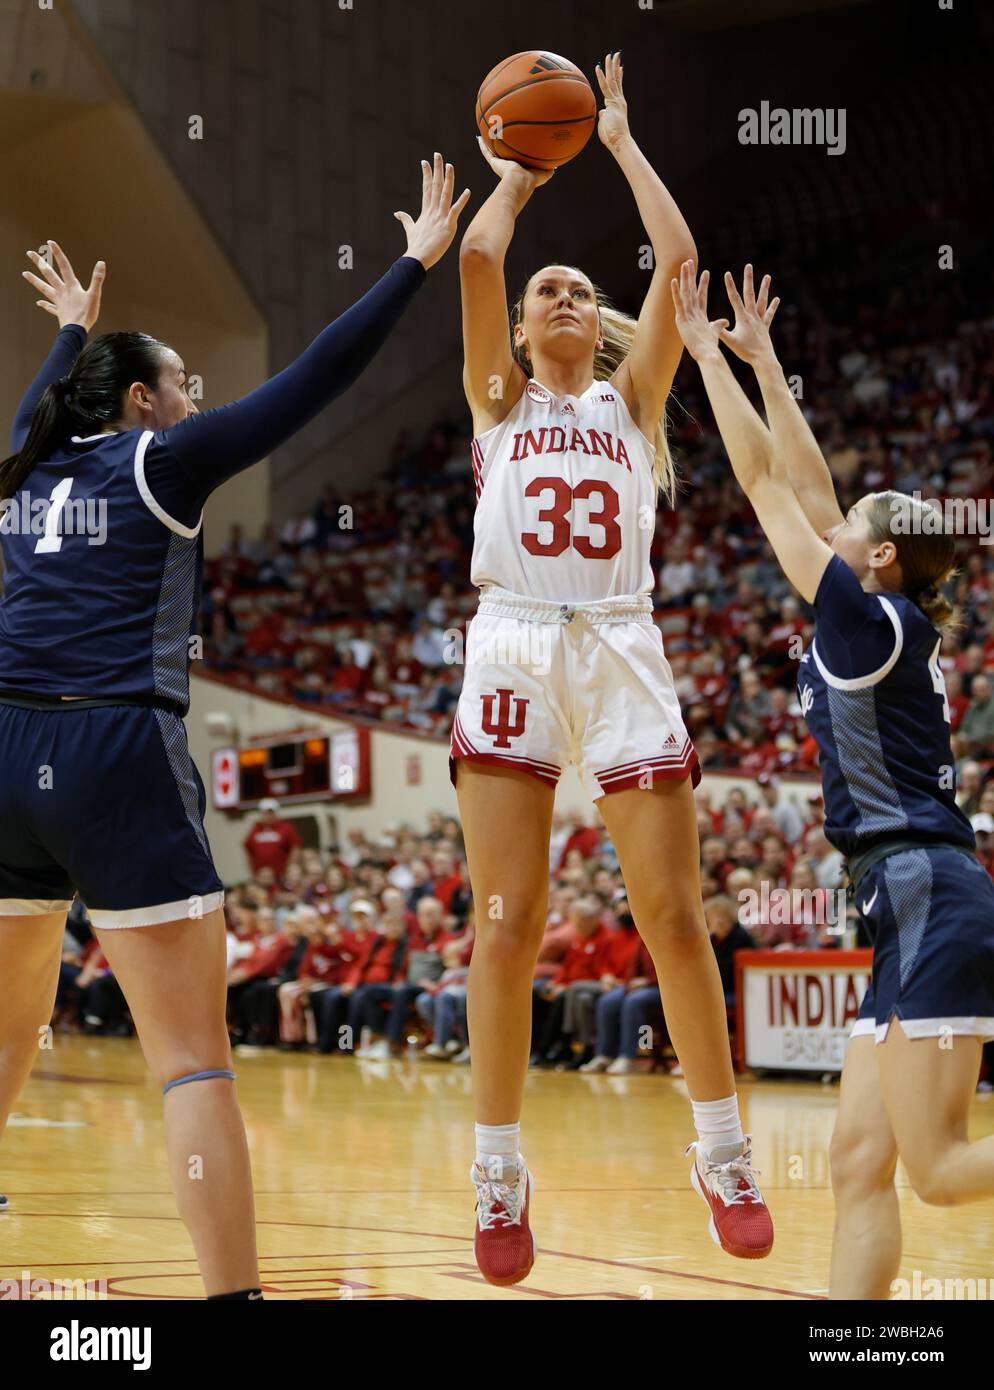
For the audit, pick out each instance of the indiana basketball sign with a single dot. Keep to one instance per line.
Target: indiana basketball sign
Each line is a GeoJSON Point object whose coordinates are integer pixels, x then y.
{"type": "Point", "coordinates": [796, 1008]}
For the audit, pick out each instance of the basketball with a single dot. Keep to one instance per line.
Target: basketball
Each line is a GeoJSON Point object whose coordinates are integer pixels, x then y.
{"type": "Point", "coordinates": [537, 109]}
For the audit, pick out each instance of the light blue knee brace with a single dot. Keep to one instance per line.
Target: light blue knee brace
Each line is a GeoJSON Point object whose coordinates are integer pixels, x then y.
{"type": "Point", "coordinates": [197, 1076]}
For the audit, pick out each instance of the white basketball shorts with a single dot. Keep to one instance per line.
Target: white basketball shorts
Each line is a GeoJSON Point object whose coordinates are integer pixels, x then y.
{"type": "Point", "coordinates": [548, 684]}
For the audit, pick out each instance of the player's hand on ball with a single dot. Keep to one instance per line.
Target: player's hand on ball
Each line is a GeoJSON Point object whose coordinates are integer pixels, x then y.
{"type": "Point", "coordinates": [65, 297]}
{"type": "Point", "coordinates": [511, 169]}
{"type": "Point", "coordinates": [612, 121]}
{"type": "Point", "coordinates": [750, 338]}
{"type": "Point", "coordinates": [690, 299]}
{"type": "Point", "coordinates": [431, 235]}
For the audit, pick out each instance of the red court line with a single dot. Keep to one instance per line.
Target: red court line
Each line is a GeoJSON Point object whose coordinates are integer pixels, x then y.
{"type": "Point", "coordinates": [88, 1080]}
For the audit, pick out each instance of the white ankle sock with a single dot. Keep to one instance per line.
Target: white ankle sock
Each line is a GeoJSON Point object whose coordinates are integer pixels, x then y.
{"type": "Point", "coordinates": [497, 1141]}
{"type": "Point", "coordinates": [718, 1124]}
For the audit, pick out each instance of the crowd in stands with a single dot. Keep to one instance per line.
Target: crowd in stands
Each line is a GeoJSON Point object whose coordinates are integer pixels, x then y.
{"type": "Point", "coordinates": [364, 950]}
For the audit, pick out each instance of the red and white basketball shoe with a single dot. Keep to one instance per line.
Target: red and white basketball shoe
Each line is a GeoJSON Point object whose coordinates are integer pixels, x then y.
{"type": "Point", "coordinates": [504, 1245]}
{"type": "Point", "coordinates": [740, 1220]}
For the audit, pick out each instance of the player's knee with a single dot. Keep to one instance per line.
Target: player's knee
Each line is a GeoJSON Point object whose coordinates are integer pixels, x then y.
{"type": "Point", "coordinates": [511, 925]}
{"type": "Point", "coordinates": [859, 1164]}
{"type": "Point", "coordinates": [929, 1184]}
{"type": "Point", "coordinates": [671, 920]}
{"type": "Point", "coordinates": [187, 1057]}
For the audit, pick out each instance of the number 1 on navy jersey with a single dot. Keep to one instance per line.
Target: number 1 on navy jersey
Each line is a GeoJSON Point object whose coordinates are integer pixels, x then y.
{"type": "Point", "coordinates": [51, 540]}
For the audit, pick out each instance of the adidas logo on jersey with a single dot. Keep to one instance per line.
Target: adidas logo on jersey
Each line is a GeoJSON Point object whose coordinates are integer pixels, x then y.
{"type": "Point", "coordinates": [567, 409]}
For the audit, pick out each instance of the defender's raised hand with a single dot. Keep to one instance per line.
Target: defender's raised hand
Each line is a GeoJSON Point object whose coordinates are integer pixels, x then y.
{"type": "Point", "coordinates": [65, 297]}
{"type": "Point", "coordinates": [431, 235]}
{"type": "Point", "coordinates": [690, 300]}
{"type": "Point", "coordinates": [750, 338]}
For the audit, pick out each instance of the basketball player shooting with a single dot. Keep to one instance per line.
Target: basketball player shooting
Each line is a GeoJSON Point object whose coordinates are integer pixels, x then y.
{"type": "Point", "coordinates": [569, 456]}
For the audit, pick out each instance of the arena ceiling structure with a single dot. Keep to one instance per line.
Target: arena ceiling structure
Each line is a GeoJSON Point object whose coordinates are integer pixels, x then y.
{"type": "Point", "coordinates": [86, 171]}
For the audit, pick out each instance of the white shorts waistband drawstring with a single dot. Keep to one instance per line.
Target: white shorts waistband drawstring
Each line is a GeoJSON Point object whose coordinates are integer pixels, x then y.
{"type": "Point", "coordinates": [626, 608]}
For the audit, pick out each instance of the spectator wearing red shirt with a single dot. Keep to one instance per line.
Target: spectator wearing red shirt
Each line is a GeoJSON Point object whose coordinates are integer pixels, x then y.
{"type": "Point", "coordinates": [271, 841]}
{"type": "Point", "coordinates": [445, 877]}
{"type": "Point", "coordinates": [386, 1007]}
{"type": "Point", "coordinates": [324, 963]}
{"type": "Point", "coordinates": [585, 838]}
{"type": "Point", "coordinates": [617, 965]}
{"type": "Point", "coordinates": [556, 942]}
{"type": "Point", "coordinates": [583, 962]}
{"type": "Point", "coordinates": [624, 1014]}
{"type": "Point", "coordinates": [271, 949]}
{"type": "Point", "coordinates": [381, 959]}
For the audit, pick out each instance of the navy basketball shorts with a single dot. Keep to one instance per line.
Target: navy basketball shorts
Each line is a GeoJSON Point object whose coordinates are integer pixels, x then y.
{"type": "Point", "coordinates": [932, 912]}
{"type": "Point", "coordinates": [104, 802]}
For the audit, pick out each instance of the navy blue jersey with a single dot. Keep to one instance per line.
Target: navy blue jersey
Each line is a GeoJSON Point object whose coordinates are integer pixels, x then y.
{"type": "Point", "coordinates": [102, 542]}
{"type": "Point", "coordinates": [874, 698]}
{"type": "Point", "coordinates": [101, 586]}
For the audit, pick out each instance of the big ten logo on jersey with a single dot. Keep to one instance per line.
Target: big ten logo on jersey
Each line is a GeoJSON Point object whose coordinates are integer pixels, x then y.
{"type": "Point", "coordinates": [502, 725]}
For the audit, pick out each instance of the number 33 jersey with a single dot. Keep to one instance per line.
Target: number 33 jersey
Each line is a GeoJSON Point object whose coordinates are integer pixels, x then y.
{"type": "Point", "coordinates": [566, 501]}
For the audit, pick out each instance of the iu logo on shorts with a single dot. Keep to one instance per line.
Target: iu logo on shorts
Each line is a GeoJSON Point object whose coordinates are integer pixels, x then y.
{"type": "Point", "coordinates": [501, 729]}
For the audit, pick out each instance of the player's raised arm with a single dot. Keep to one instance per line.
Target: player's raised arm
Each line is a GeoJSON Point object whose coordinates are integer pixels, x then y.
{"type": "Point", "coordinates": [793, 440]}
{"type": "Point", "coordinates": [646, 375]}
{"type": "Point", "coordinates": [802, 553]}
{"type": "Point", "coordinates": [492, 379]}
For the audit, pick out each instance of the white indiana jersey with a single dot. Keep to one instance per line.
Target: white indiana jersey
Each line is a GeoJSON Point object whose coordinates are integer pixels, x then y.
{"type": "Point", "coordinates": [566, 502]}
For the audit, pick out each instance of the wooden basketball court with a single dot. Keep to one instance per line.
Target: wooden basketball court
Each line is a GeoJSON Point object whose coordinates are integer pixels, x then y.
{"type": "Point", "coordinates": [361, 1172]}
